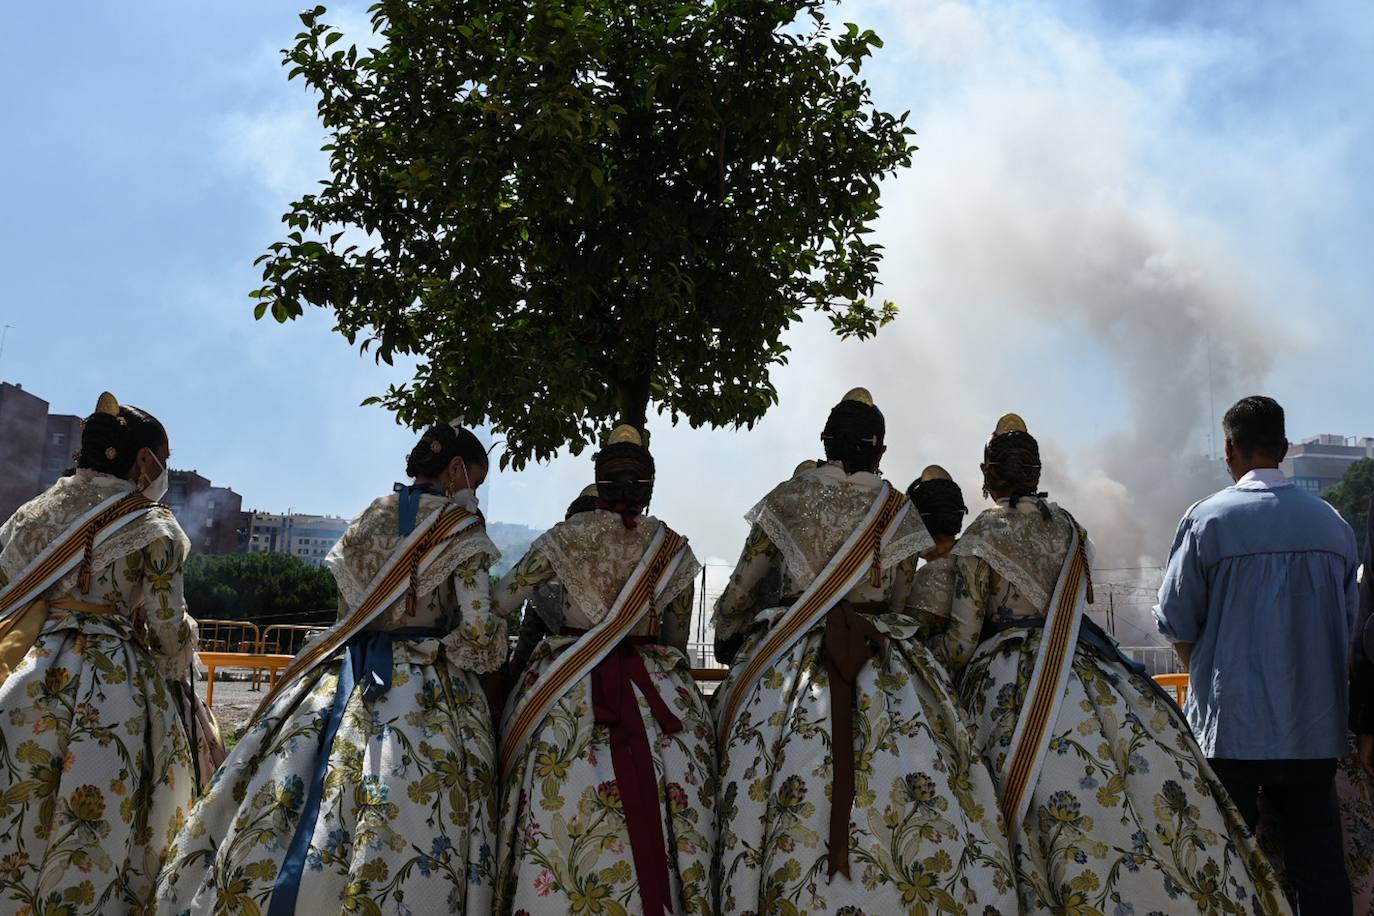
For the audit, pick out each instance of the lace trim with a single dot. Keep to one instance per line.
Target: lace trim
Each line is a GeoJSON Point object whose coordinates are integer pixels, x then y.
{"type": "Point", "coordinates": [573, 565]}
{"type": "Point", "coordinates": [457, 551]}
{"type": "Point", "coordinates": [910, 539]}
{"type": "Point", "coordinates": [48, 516]}
{"type": "Point", "coordinates": [461, 652]}
{"type": "Point", "coordinates": [1023, 559]}
{"type": "Point", "coordinates": [780, 533]}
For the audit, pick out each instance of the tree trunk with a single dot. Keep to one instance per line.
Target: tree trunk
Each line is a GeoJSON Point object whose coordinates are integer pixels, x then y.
{"type": "Point", "coordinates": [634, 401]}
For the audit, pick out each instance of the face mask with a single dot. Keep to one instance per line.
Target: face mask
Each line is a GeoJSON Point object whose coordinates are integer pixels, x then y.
{"type": "Point", "coordinates": [465, 497]}
{"type": "Point", "coordinates": [158, 488]}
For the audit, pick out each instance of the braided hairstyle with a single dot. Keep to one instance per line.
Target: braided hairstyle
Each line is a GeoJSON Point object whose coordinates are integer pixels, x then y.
{"type": "Point", "coordinates": [110, 443]}
{"type": "Point", "coordinates": [1012, 464]}
{"type": "Point", "coordinates": [438, 447]}
{"type": "Point", "coordinates": [941, 504]}
{"type": "Point", "coordinates": [584, 503]}
{"type": "Point", "coordinates": [853, 435]}
{"type": "Point", "coordinates": [624, 480]}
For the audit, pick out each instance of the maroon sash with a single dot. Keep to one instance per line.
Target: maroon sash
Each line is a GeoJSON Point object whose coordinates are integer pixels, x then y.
{"type": "Point", "coordinates": [616, 706]}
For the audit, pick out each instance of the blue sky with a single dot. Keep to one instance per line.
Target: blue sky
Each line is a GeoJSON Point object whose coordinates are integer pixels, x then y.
{"type": "Point", "coordinates": [1106, 194]}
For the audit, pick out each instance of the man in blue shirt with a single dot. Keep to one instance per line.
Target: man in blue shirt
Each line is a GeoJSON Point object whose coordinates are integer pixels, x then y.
{"type": "Point", "coordinates": [1260, 601]}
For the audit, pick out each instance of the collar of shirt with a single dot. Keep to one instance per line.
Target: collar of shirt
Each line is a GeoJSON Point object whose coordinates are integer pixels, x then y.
{"type": "Point", "coordinates": [1263, 479]}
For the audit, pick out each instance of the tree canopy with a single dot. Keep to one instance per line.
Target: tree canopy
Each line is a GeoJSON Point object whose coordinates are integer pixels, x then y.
{"type": "Point", "coordinates": [569, 211]}
{"type": "Point", "coordinates": [1351, 498]}
{"type": "Point", "coordinates": [265, 588]}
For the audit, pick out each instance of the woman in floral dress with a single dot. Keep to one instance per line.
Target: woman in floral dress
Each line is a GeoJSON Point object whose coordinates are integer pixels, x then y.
{"type": "Point", "coordinates": [97, 764]}
{"type": "Point", "coordinates": [1124, 815]}
{"type": "Point", "coordinates": [849, 783]}
{"type": "Point", "coordinates": [940, 502]}
{"type": "Point", "coordinates": [364, 783]}
{"type": "Point", "coordinates": [609, 802]}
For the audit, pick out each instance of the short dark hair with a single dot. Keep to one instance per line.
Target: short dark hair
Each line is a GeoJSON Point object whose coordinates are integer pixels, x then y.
{"type": "Point", "coordinates": [1254, 425]}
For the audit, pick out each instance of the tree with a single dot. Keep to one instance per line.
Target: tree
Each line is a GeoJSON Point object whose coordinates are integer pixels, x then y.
{"type": "Point", "coordinates": [265, 588]}
{"type": "Point", "coordinates": [571, 210]}
{"type": "Point", "coordinates": [1351, 498]}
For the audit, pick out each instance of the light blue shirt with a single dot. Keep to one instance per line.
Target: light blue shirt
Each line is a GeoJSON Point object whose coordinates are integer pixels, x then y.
{"type": "Point", "coordinates": [1262, 581]}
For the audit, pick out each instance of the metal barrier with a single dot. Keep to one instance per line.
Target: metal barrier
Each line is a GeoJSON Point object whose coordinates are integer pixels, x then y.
{"type": "Point", "coordinates": [227, 636]}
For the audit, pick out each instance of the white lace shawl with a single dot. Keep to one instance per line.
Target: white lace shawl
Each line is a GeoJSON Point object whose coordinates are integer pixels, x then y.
{"type": "Point", "coordinates": [42, 520]}
{"type": "Point", "coordinates": [811, 515]}
{"type": "Point", "coordinates": [593, 554]}
{"type": "Point", "coordinates": [374, 536]}
{"type": "Point", "coordinates": [1022, 547]}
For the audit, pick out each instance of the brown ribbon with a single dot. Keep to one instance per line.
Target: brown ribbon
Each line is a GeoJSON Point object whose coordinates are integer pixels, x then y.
{"type": "Point", "coordinates": [850, 641]}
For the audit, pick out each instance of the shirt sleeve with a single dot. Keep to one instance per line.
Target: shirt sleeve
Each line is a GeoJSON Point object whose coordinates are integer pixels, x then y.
{"type": "Point", "coordinates": [171, 635]}
{"type": "Point", "coordinates": [479, 640]}
{"type": "Point", "coordinates": [740, 603]}
{"type": "Point", "coordinates": [968, 609]}
{"type": "Point", "coordinates": [1182, 609]}
{"type": "Point", "coordinates": [517, 586]}
{"type": "Point", "coordinates": [676, 625]}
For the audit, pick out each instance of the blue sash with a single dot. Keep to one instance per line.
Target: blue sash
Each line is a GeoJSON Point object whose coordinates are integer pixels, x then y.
{"type": "Point", "coordinates": [367, 662]}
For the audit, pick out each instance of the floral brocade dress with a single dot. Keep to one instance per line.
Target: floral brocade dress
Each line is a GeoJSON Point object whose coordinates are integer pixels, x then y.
{"type": "Point", "coordinates": [1126, 816]}
{"type": "Point", "coordinates": [96, 767]}
{"type": "Point", "coordinates": [403, 819]}
{"type": "Point", "coordinates": [922, 835]}
{"type": "Point", "coordinates": [568, 825]}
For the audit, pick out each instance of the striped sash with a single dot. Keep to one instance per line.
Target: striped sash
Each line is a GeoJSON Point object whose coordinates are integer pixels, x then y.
{"type": "Point", "coordinates": [661, 559]}
{"type": "Point", "coordinates": [855, 558]}
{"type": "Point", "coordinates": [1040, 709]}
{"type": "Point", "coordinates": [74, 549]}
{"type": "Point", "coordinates": [392, 582]}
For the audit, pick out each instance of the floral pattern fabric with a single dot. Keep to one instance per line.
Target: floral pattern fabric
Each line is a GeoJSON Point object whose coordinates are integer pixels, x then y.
{"type": "Point", "coordinates": [96, 773]}
{"type": "Point", "coordinates": [407, 816]}
{"type": "Point", "coordinates": [924, 832]}
{"type": "Point", "coordinates": [1126, 815]}
{"type": "Point", "coordinates": [564, 840]}
{"type": "Point", "coordinates": [925, 835]}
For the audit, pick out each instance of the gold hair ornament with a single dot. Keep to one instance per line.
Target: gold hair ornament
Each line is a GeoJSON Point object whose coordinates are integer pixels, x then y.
{"type": "Point", "coordinates": [861, 395]}
{"type": "Point", "coordinates": [590, 490]}
{"type": "Point", "coordinates": [111, 453]}
{"type": "Point", "coordinates": [935, 472]}
{"type": "Point", "coordinates": [107, 404]}
{"type": "Point", "coordinates": [625, 433]}
{"type": "Point", "coordinates": [1010, 423]}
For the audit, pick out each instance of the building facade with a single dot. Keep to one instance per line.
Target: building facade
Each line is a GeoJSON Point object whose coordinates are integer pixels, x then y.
{"type": "Point", "coordinates": [212, 517]}
{"type": "Point", "coordinates": [306, 537]}
{"type": "Point", "coordinates": [1319, 462]}
{"type": "Point", "coordinates": [36, 446]}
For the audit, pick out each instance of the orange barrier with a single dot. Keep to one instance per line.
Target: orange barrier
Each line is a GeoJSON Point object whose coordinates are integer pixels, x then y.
{"type": "Point", "coordinates": [1179, 684]}
{"type": "Point", "coordinates": [213, 660]}
{"type": "Point", "coordinates": [283, 639]}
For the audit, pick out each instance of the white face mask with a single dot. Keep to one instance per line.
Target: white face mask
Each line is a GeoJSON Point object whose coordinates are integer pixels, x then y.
{"type": "Point", "coordinates": [466, 497]}
{"type": "Point", "coordinates": [158, 488]}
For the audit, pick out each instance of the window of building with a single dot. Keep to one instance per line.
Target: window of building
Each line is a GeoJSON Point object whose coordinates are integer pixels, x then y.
{"type": "Point", "coordinates": [59, 438]}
